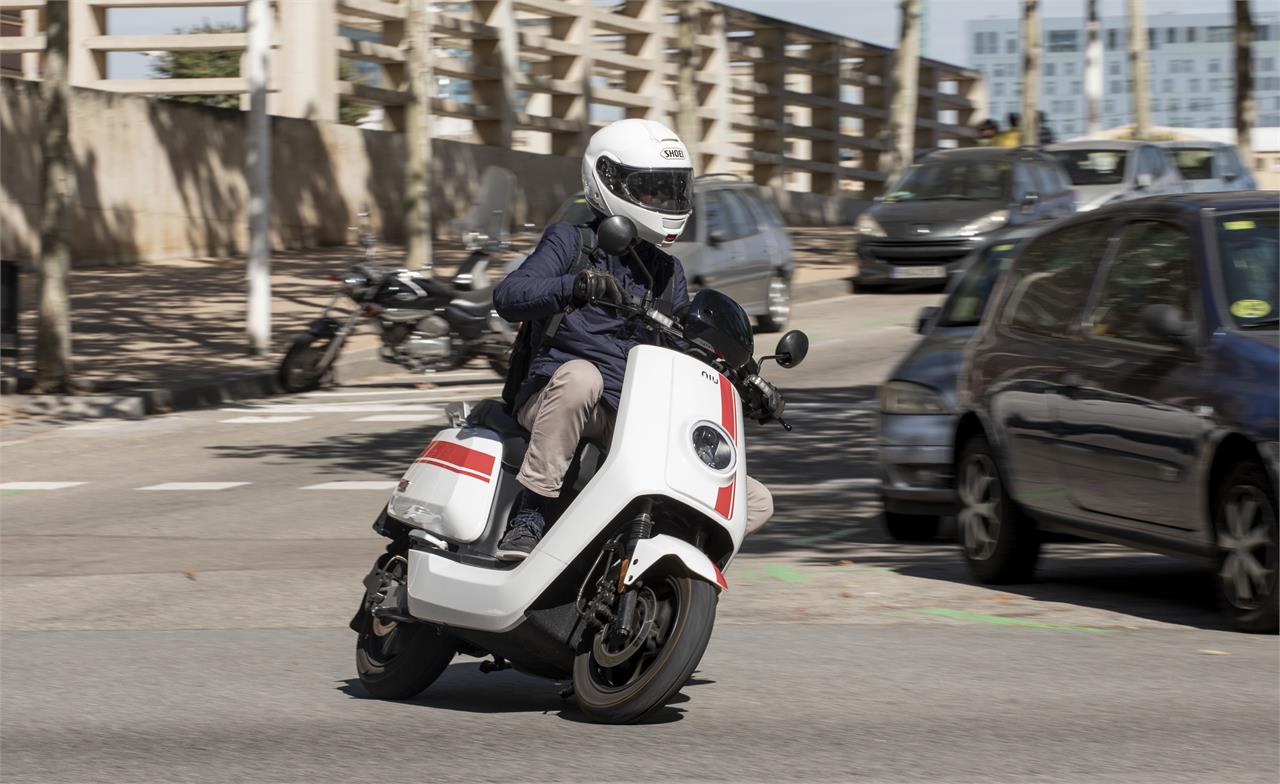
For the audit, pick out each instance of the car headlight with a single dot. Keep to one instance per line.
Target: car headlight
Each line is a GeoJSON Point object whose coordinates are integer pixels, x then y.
{"type": "Point", "coordinates": [867, 225]}
{"type": "Point", "coordinates": [989, 222]}
{"type": "Point", "coordinates": [904, 397]}
{"type": "Point", "coordinates": [712, 446]}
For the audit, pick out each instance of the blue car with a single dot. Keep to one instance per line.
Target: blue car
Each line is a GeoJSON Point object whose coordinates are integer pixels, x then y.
{"type": "Point", "coordinates": [917, 399]}
{"type": "Point", "coordinates": [1124, 388]}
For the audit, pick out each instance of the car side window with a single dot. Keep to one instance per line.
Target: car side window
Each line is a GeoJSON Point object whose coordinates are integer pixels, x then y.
{"type": "Point", "coordinates": [716, 218]}
{"type": "Point", "coordinates": [1051, 279]}
{"type": "Point", "coordinates": [1022, 182]}
{"type": "Point", "coordinates": [761, 210]}
{"type": "Point", "coordinates": [1152, 266]}
{"type": "Point", "coordinates": [1144, 163]}
{"type": "Point", "coordinates": [741, 222]}
{"type": "Point", "coordinates": [1046, 181]}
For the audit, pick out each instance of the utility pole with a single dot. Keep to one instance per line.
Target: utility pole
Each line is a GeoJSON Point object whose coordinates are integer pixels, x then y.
{"type": "Point", "coordinates": [687, 124]}
{"type": "Point", "coordinates": [906, 79]}
{"type": "Point", "coordinates": [1030, 122]}
{"type": "Point", "coordinates": [1245, 107]}
{"type": "Point", "coordinates": [417, 138]}
{"type": "Point", "coordinates": [258, 321]}
{"type": "Point", "coordinates": [57, 180]}
{"type": "Point", "coordinates": [1138, 69]}
{"type": "Point", "coordinates": [1093, 70]}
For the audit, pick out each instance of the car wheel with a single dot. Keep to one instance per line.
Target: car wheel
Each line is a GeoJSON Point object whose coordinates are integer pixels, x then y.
{"type": "Point", "coordinates": [909, 527]}
{"type": "Point", "coordinates": [1000, 543]}
{"type": "Point", "coordinates": [1245, 523]}
{"type": "Point", "coordinates": [778, 304]}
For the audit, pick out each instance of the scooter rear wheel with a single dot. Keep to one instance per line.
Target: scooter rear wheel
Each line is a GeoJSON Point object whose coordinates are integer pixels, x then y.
{"type": "Point", "coordinates": [398, 661]}
{"type": "Point", "coordinates": [683, 612]}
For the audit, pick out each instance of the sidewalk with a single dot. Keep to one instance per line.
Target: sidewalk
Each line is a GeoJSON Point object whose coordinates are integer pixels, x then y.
{"type": "Point", "coordinates": [170, 334]}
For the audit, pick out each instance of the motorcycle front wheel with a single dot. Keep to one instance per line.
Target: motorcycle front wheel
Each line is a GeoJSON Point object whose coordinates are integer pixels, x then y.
{"type": "Point", "coordinates": [622, 683]}
{"type": "Point", "coordinates": [398, 661]}
{"type": "Point", "coordinates": [300, 370]}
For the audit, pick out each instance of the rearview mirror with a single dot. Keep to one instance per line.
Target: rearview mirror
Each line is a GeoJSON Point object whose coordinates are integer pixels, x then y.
{"type": "Point", "coordinates": [792, 349]}
{"type": "Point", "coordinates": [616, 235]}
{"type": "Point", "coordinates": [1144, 180]}
{"type": "Point", "coordinates": [715, 237]}
{"type": "Point", "coordinates": [1166, 322]}
{"type": "Point", "coordinates": [1029, 201]}
{"type": "Point", "coordinates": [925, 317]}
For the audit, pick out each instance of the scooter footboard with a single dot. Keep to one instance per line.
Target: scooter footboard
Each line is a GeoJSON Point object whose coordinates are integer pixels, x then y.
{"type": "Point", "coordinates": [668, 551]}
{"type": "Point", "coordinates": [444, 590]}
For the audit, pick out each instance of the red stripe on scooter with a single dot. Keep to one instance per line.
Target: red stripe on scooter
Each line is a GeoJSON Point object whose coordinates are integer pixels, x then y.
{"type": "Point", "coordinates": [453, 468]}
{"type": "Point", "coordinates": [724, 500]}
{"type": "Point", "coordinates": [728, 411]}
{"type": "Point", "coordinates": [720, 577]}
{"type": "Point", "coordinates": [460, 457]}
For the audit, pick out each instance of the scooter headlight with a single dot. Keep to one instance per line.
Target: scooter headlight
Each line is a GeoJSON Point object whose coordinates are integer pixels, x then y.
{"type": "Point", "coordinates": [712, 447]}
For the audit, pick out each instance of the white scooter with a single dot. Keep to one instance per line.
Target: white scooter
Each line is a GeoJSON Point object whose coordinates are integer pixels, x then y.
{"type": "Point", "coordinates": [620, 594]}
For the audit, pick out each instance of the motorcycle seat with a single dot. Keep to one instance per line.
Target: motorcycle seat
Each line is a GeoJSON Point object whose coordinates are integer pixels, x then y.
{"type": "Point", "coordinates": [492, 414]}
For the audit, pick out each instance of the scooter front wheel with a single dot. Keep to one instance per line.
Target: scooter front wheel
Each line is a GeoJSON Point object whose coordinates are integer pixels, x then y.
{"type": "Point", "coordinates": [398, 661]}
{"type": "Point", "coordinates": [622, 682]}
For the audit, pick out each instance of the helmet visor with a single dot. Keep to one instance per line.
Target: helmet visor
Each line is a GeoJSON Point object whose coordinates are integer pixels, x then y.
{"type": "Point", "coordinates": [660, 190]}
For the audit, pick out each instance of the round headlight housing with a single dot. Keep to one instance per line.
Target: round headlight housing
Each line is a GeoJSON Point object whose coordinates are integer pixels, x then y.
{"type": "Point", "coordinates": [712, 446]}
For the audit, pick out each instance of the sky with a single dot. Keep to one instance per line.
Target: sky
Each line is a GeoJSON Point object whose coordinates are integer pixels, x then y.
{"type": "Point", "coordinates": [874, 21]}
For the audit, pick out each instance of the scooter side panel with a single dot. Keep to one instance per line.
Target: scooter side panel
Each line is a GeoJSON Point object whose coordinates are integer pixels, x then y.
{"type": "Point", "coordinates": [449, 488]}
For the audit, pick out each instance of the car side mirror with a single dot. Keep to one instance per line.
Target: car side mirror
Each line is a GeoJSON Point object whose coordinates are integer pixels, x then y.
{"type": "Point", "coordinates": [1144, 180]}
{"type": "Point", "coordinates": [1230, 175]}
{"type": "Point", "coordinates": [1167, 323]}
{"type": "Point", "coordinates": [792, 349]}
{"type": "Point", "coordinates": [715, 237]}
{"type": "Point", "coordinates": [925, 317]}
{"type": "Point", "coordinates": [1029, 201]}
{"type": "Point", "coordinates": [616, 235]}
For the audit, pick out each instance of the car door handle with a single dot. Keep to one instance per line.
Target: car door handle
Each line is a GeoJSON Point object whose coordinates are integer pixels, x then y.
{"type": "Point", "coordinates": [1072, 379]}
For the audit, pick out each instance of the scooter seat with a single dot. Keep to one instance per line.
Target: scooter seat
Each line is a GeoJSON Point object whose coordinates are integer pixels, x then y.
{"type": "Point", "coordinates": [492, 414]}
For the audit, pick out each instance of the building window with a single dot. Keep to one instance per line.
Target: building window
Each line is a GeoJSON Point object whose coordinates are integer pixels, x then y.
{"type": "Point", "coordinates": [1113, 68]}
{"type": "Point", "coordinates": [1194, 85]}
{"type": "Point", "coordinates": [1267, 64]}
{"type": "Point", "coordinates": [1262, 33]}
{"type": "Point", "coordinates": [997, 89]}
{"type": "Point", "coordinates": [978, 41]}
{"type": "Point", "coordinates": [1075, 88]}
{"type": "Point", "coordinates": [1155, 104]}
{"type": "Point", "coordinates": [1010, 44]}
{"type": "Point", "coordinates": [1191, 35]}
{"type": "Point", "coordinates": [1171, 35]}
{"type": "Point", "coordinates": [1221, 34]}
{"type": "Point", "coordinates": [1064, 40]}
{"type": "Point", "coordinates": [1113, 38]}
{"type": "Point", "coordinates": [1117, 86]}
{"type": "Point", "coordinates": [1050, 69]}
{"type": "Point", "coordinates": [1215, 66]}
{"type": "Point", "coordinates": [1068, 69]}
{"type": "Point", "coordinates": [1153, 38]}
{"type": "Point", "coordinates": [1050, 88]}
{"type": "Point", "coordinates": [1109, 106]}
{"type": "Point", "coordinates": [1166, 86]}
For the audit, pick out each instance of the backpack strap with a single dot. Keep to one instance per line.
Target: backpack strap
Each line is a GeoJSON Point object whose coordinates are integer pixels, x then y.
{"type": "Point", "coordinates": [582, 260]}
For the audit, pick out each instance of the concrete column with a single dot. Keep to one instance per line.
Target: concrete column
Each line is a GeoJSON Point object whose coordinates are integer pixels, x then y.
{"type": "Point", "coordinates": [85, 68]}
{"type": "Point", "coordinates": [876, 93]}
{"type": "Point", "coordinates": [650, 83]}
{"type": "Point", "coordinates": [926, 138]}
{"type": "Point", "coordinates": [716, 133]}
{"type": "Point", "coordinates": [31, 60]}
{"type": "Point", "coordinates": [496, 93]}
{"type": "Point", "coordinates": [770, 109]}
{"type": "Point", "coordinates": [395, 75]}
{"type": "Point", "coordinates": [575, 68]}
{"type": "Point", "coordinates": [825, 119]}
{"type": "Point", "coordinates": [307, 73]}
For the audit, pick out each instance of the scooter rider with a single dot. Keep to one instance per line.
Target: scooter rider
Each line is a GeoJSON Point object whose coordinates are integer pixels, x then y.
{"type": "Point", "coordinates": [639, 169]}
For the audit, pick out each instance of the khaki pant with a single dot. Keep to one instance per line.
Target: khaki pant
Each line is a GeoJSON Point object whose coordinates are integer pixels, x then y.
{"type": "Point", "coordinates": [568, 410]}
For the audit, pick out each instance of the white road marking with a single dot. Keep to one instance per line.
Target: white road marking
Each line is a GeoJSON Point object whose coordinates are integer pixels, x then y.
{"type": "Point", "coordinates": [354, 485]}
{"type": "Point", "coordinates": [338, 408]}
{"type": "Point", "coordinates": [38, 485]}
{"type": "Point", "coordinates": [401, 418]}
{"type": "Point", "coordinates": [853, 483]}
{"type": "Point", "coordinates": [262, 420]}
{"type": "Point", "coordinates": [194, 486]}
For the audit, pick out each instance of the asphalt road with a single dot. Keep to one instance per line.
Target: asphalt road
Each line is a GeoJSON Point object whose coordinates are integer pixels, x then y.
{"type": "Point", "coordinates": [173, 608]}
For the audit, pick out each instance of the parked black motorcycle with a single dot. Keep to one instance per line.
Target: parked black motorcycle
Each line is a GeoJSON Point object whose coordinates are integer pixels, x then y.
{"type": "Point", "coordinates": [425, 324]}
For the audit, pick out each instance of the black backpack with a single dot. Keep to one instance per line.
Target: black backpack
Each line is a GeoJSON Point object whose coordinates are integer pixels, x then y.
{"type": "Point", "coordinates": [534, 333]}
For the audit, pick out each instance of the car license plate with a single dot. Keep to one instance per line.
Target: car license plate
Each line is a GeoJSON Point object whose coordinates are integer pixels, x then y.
{"type": "Point", "coordinates": [920, 272]}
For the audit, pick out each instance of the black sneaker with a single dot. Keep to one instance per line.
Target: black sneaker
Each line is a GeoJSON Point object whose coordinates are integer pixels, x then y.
{"type": "Point", "coordinates": [518, 542]}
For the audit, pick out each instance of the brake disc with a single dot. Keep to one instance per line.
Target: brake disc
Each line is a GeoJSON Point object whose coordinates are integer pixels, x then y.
{"type": "Point", "coordinates": [646, 608]}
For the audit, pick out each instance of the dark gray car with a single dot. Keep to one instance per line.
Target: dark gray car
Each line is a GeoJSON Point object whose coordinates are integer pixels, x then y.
{"type": "Point", "coordinates": [917, 399]}
{"type": "Point", "coordinates": [950, 203]}
{"type": "Point", "coordinates": [735, 242]}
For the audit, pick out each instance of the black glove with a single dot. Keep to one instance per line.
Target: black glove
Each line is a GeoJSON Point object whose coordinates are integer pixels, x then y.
{"type": "Point", "coordinates": [595, 286]}
{"type": "Point", "coordinates": [767, 402]}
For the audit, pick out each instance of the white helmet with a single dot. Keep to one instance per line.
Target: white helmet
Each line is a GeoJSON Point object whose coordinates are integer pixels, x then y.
{"type": "Point", "coordinates": [640, 169]}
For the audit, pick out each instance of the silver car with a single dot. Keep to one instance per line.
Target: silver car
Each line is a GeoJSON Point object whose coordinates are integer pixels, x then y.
{"type": "Point", "coordinates": [735, 242]}
{"type": "Point", "coordinates": [1105, 172]}
{"type": "Point", "coordinates": [1208, 167]}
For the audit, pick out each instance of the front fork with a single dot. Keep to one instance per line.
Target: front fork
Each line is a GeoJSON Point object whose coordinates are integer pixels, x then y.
{"type": "Point", "coordinates": [641, 528]}
{"type": "Point", "coordinates": [340, 336]}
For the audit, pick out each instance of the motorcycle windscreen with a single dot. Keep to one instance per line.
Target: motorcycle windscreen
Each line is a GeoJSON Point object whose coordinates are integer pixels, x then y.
{"type": "Point", "coordinates": [450, 486]}
{"type": "Point", "coordinates": [722, 323]}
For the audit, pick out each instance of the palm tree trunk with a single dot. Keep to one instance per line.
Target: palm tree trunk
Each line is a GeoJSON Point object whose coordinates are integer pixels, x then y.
{"type": "Point", "coordinates": [687, 124]}
{"type": "Point", "coordinates": [1246, 108]}
{"type": "Point", "coordinates": [906, 78]}
{"type": "Point", "coordinates": [1138, 70]}
{"type": "Point", "coordinates": [1030, 121]}
{"type": "Point", "coordinates": [57, 175]}
{"type": "Point", "coordinates": [1093, 70]}
{"type": "Point", "coordinates": [417, 138]}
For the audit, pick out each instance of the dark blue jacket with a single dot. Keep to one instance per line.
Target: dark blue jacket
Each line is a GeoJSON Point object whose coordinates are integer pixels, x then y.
{"type": "Point", "coordinates": [543, 286]}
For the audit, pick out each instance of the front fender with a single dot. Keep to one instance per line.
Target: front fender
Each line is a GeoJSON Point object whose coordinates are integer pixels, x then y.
{"type": "Point", "coordinates": [323, 327]}
{"type": "Point", "coordinates": [672, 553]}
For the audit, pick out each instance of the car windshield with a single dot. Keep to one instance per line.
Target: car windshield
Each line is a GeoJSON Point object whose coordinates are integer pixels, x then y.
{"type": "Point", "coordinates": [966, 304]}
{"type": "Point", "coordinates": [1248, 247]}
{"type": "Point", "coordinates": [953, 179]}
{"type": "Point", "coordinates": [1195, 163]}
{"type": "Point", "coordinates": [1093, 167]}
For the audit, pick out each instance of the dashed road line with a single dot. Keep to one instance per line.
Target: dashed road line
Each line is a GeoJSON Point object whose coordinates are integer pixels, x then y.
{"type": "Point", "coordinates": [262, 420]}
{"type": "Point", "coordinates": [402, 418]}
{"type": "Point", "coordinates": [354, 485]}
{"type": "Point", "coordinates": [194, 486]}
{"type": "Point", "coordinates": [338, 408]}
{"type": "Point", "coordinates": [38, 485]}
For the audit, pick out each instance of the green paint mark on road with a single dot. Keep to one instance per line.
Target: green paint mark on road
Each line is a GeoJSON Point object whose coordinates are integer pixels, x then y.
{"type": "Point", "coordinates": [12, 492]}
{"type": "Point", "coordinates": [805, 540]}
{"type": "Point", "coordinates": [785, 573]}
{"type": "Point", "coordinates": [1002, 620]}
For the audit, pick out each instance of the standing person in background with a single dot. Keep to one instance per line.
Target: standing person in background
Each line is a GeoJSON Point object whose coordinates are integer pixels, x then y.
{"type": "Point", "coordinates": [1011, 137]}
{"type": "Point", "coordinates": [1046, 133]}
{"type": "Point", "coordinates": [987, 130]}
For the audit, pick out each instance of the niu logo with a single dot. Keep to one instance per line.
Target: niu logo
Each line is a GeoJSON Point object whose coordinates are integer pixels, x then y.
{"type": "Point", "coordinates": [713, 379]}
{"type": "Point", "coordinates": [672, 154]}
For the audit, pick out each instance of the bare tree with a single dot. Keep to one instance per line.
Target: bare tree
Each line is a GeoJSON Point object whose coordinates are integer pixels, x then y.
{"type": "Point", "coordinates": [1093, 70]}
{"type": "Point", "coordinates": [906, 79]}
{"type": "Point", "coordinates": [1245, 106]}
{"type": "Point", "coordinates": [417, 138]}
{"type": "Point", "coordinates": [1030, 122]}
{"type": "Point", "coordinates": [1138, 70]}
{"type": "Point", "coordinates": [258, 164]}
{"type": "Point", "coordinates": [57, 182]}
{"type": "Point", "coordinates": [687, 124]}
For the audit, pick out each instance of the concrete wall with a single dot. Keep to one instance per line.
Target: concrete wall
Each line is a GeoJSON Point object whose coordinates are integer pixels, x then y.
{"type": "Point", "coordinates": [158, 179]}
